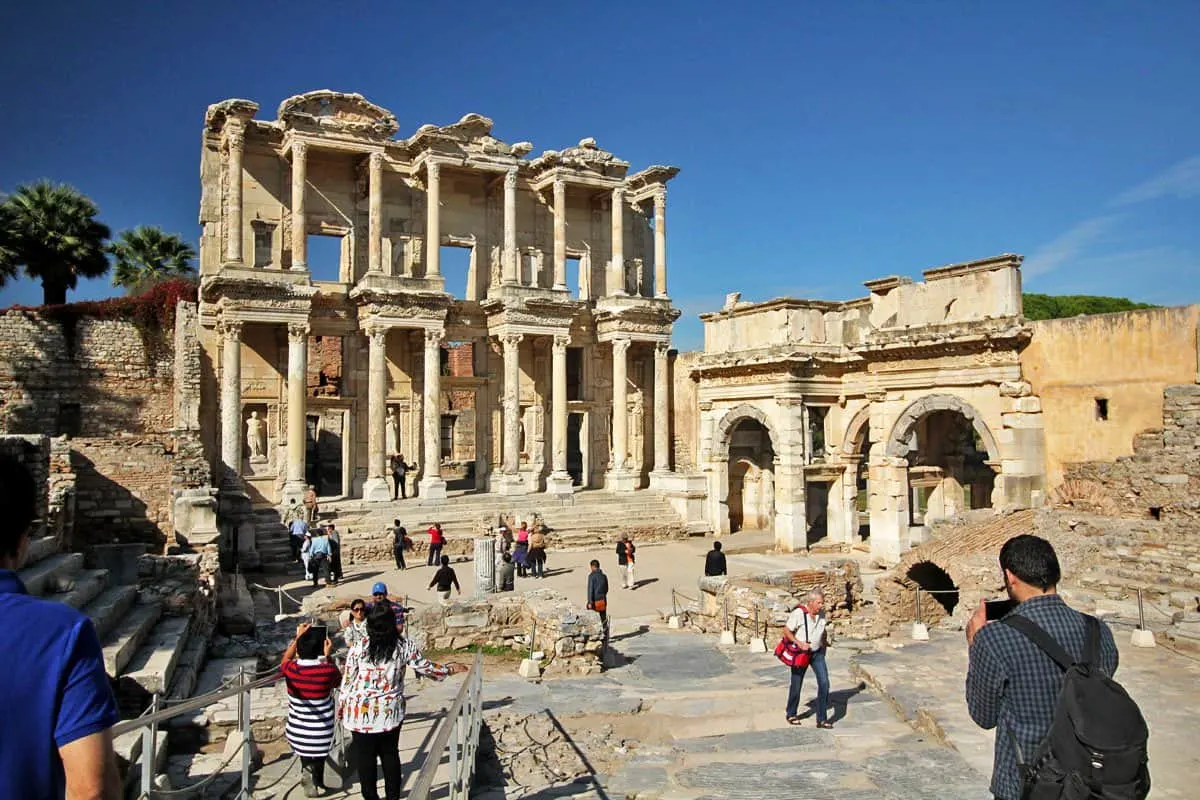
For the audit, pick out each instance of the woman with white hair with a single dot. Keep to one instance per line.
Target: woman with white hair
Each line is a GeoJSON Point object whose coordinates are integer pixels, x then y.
{"type": "Point", "coordinates": [805, 627]}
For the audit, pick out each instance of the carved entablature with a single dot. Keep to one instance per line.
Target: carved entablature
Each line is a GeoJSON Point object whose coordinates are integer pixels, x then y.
{"type": "Point", "coordinates": [470, 136]}
{"type": "Point", "coordinates": [637, 315]}
{"type": "Point", "coordinates": [425, 307]}
{"type": "Point", "coordinates": [213, 288]}
{"type": "Point", "coordinates": [585, 157]}
{"type": "Point", "coordinates": [646, 182]}
{"type": "Point", "coordinates": [338, 112]}
{"type": "Point", "coordinates": [530, 312]}
{"type": "Point", "coordinates": [995, 335]}
{"type": "Point", "coordinates": [234, 108]}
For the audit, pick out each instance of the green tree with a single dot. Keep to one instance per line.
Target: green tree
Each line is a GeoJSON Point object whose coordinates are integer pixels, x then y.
{"type": "Point", "coordinates": [1049, 306]}
{"type": "Point", "coordinates": [51, 231]}
{"type": "Point", "coordinates": [147, 255]}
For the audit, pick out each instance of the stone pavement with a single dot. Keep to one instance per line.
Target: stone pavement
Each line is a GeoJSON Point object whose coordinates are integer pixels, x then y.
{"type": "Point", "coordinates": [924, 682]}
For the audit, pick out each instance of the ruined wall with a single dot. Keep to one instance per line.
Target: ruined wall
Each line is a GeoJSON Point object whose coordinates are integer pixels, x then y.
{"type": "Point", "coordinates": [123, 491]}
{"type": "Point", "coordinates": [82, 376]}
{"type": "Point", "coordinates": [1126, 359]}
{"type": "Point", "coordinates": [685, 413]}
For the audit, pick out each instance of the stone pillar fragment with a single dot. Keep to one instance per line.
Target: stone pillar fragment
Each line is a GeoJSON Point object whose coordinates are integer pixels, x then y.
{"type": "Point", "coordinates": [297, 391]}
{"type": "Point", "coordinates": [560, 480]}
{"type": "Point", "coordinates": [299, 229]}
{"type": "Point", "coordinates": [376, 488]}
{"type": "Point", "coordinates": [485, 566]}
{"type": "Point", "coordinates": [560, 234]}
{"type": "Point", "coordinates": [660, 242]}
{"type": "Point", "coordinates": [432, 487]}
{"type": "Point", "coordinates": [433, 221]}
{"type": "Point", "coordinates": [235, 139]}
{"type": "Point", "coordinates": [375, 213]}
{"type": "Point", "coordinates": [616, 269]}
{"type": "Point", "coordinates": [510, 481]}
{"type": "Point", "coordinates": [510, 227]}
{"type": "Point", "coordinates": [620, 479]}
{"type": "Point", "coordinates": [662, 425]}
{"type": "Point", "coordinates": [231, 399]}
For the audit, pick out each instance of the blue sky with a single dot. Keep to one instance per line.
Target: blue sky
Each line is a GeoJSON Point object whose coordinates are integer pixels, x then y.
{"type": "Point", "coordinates": [821, 144]}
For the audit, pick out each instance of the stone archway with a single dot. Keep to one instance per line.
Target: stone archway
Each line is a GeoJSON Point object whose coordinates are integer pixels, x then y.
{"type": "Point", "coordinates": [745, 448]}
{"type": "Point", "coordinates": [897, 445]}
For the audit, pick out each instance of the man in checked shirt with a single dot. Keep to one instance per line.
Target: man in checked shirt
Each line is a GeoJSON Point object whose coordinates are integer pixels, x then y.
{"type": "Point", "coordinates": [1012, 685]}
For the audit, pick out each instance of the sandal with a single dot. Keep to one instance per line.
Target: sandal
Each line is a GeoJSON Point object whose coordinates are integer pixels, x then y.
{"type": "Point", "coordinates": [793, 720]}
{"type": "Point", "coordinates": [824, 724]}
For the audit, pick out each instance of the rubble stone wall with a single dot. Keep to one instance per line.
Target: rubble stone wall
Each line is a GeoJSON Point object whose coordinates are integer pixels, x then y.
{"type": "Point", "coordinates": [123, 491]}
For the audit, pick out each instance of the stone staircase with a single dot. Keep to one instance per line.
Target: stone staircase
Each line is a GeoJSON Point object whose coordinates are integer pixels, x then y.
{"type": "Point", "coordinates": [145, 651]}
{"type": "Point", "coordinates": [579, 521]}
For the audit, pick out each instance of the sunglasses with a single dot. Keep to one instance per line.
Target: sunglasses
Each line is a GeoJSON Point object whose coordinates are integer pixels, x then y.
{"type": "Point", "coordinates": [356, 609]}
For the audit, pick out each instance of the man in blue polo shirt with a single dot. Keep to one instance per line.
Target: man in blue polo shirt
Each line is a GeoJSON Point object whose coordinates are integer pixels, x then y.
{"type": "Point", "coordinates": [57, 705]}
{"type": "Point", "coordinates": [380, 592]}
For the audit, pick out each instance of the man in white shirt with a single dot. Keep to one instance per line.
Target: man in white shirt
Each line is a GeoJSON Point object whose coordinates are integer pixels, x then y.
{"type": "Point", "coordinates": [806, 627]}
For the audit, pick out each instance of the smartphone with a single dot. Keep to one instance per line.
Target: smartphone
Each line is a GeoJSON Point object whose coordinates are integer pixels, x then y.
{"type": "Point", "coordinates": [998, 608]}
{"type": "Point", "coordinates": [321, 631]}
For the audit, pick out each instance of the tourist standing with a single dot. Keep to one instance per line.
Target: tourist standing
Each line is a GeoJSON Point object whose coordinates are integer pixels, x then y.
{"type": "Point", "coordinates": [597, 592]}
{"type": "Point", "coordinates": [400, 472]}
{"type": "Point", "coordinates": [380, 592]}
{"type": "Point", "coordinates": [625, 560]}
{"type": "Point", "coordinates": [310, 679]}
{"type": "Point", "coordinates": [311, 507]}
{"type": "Point", "coordinates": [505, 572]}
{"type": "Point", "coordinates": [437, 540]}
{"type": "Point", "coordinates": [714, 562]}
{"type": "Point", "coordinates": [399, 543]}
{"type": "Point", "coordinates": [318, 557]}
{"type": "Point", "coordinates": [520, 557]}
{"type": "Point", "coordinates": [354, 629]}
{"type": "Point", "coordinates": [1012, 685]}
{"type": "Point", "coordinates": [372, 699]}
{"type": "Point", "coordinates": [292, 512]}
{"type": "Point", "coordinates": [56, 740]}
{"type": "Point", "coordinates": [537, 553]}
{"type": "Point", "coordinates": [297, 530]}
{"type": "Point", "coordinates": [335, 553]}
{"type": "Point", "coordinates": [444, 578]}
{"type": "Point", "coordinates": [808, 621]}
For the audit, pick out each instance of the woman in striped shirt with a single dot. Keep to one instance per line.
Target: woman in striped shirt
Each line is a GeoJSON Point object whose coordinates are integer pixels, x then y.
{"type": "Point", "coordinates": [310, 679]}
{"type": "Point", "coordinates": [372, 698]}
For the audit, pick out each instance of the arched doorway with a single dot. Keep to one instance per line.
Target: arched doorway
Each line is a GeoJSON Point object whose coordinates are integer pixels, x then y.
{"type": "Point", "coordinates": [751, 495]}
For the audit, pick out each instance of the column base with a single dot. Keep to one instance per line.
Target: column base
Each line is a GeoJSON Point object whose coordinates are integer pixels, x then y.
{"type": "Point", "coordinates": [293, 490]}
{"type": "Point", "coordinates": [432, 488]}
{"type": "Point", "coordinates": [512, 485]}
{"type": "Point", "coordinates": [376, 490]}
{"type": "Point", "coordinates": [662, 480]}
{"type": "Point", "coordinates": [560, 483]}
{"type": "Point", "coordinates": [621, 481]}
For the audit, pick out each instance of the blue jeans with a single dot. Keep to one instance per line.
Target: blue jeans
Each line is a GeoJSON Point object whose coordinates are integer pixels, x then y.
{"type": "Point", "coordinates": [822, 672]}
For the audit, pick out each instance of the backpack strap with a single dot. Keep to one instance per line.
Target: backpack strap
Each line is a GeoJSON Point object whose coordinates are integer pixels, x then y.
{"type": "Point", "coordinates": [1091, 646]}
{"type": "Point", "coordinates": [1045, 642]}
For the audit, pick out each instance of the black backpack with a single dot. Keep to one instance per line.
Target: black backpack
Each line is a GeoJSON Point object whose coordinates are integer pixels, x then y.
{"type": "Point", "coordinates": [1096, 746]}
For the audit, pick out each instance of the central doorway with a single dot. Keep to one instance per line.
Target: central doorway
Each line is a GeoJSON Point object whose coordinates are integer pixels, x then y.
{"type": "Point", "coordinates": [751, 498]}
{"type": "Point", "coordinates": [575, 448]}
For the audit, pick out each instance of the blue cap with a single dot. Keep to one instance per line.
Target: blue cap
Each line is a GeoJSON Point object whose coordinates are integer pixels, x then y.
{"type": "Point", "coordinates": [379, 588]}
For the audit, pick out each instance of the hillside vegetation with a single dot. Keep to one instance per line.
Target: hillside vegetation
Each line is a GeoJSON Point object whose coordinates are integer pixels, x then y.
{"type": "Point", "coordinates": [1052, 306]}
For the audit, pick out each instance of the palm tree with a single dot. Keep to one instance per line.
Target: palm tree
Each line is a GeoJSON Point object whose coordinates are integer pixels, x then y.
{"type": "Point", "coordinates": [146, 255]}
{"type": "Point", "coordinates": [51, 230]}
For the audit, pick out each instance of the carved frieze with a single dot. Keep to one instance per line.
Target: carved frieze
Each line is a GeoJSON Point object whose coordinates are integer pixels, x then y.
{"type": "Point", "coordinates": [338, 112]}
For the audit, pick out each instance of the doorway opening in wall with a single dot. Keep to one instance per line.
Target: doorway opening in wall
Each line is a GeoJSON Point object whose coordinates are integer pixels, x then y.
{"type": "Point", "coordinates": [862, 499]}
{"type": "Point", "coordinates": [939, 595]}
{"type": "Point", "coordinates": [458, 427]}
{"type": "Point", "coordinates": [816, 511]}
{"type": "Point", "coordinates": [575, 447]}
{"type": "Point", "coordinates": [325, 256]}
{"type": "Point", "coordinates": [575, 278]}
{"type": "Point", "coordinates": [751, 496]}
{"type": "Point", "coordinates": [323, 451]}
{"type": "Point", "coordinates": [456, 270]}
{"type": "Point", "coordinates": [574, 373]}
{"type": "Point", "coordinates": [948, 467]}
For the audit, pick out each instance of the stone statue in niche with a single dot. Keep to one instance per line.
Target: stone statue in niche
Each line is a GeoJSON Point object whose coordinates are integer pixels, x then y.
{"type": "Point", "coordinates": [256, 438]}
{"type": "Point", "coordinates": [393, 432]}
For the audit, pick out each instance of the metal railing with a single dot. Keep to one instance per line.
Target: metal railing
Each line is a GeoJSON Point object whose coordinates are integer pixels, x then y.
{"type": "Point", "coordinates": [458, 734]}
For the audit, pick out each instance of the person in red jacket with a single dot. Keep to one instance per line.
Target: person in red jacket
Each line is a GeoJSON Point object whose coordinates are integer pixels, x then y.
{"type": "Point", "coordinates": [437, 538]}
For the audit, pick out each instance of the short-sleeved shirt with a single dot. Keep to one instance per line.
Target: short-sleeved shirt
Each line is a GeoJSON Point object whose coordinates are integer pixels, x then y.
{"type": "Point", "coordinates": [299, 528]}
{"type": "Point", "coordinates": [319, 547]}
{"type": "Point", "coordinates": [397, 610]}
{"type": "Point", "coordinates": [444, 578]}
{"type": "Point", "coordinates": [56, 691]}
{"type": "Point", "coordinates": [815, 630]}
{"type": "Point", "coordinates": [436, 536]}
{"type": "Point", "coordinates": [310, 681]}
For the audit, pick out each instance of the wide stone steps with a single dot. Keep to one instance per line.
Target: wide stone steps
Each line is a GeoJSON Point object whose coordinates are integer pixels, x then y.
{"type": "Point", "coordinates": [123, 641]}
{"type": "Point", "coordinates": [153, 664]}
{"type": "Point", "coordinates": [109, 607]}
{"type": "Point", "coordinates": [87, 586]}
{"type": "Point", "coordinates": [54, 574]}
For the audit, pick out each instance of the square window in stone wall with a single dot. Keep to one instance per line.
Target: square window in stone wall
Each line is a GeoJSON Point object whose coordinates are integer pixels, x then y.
{"type": "Point", "coordinates": [70, 420]}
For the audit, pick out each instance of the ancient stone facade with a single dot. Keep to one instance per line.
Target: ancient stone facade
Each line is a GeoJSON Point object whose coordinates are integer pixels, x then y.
{"type": "Point", "coordinates": [564, 305]}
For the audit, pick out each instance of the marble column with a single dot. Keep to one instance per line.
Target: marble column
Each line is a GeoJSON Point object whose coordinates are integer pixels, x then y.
{"type": "Point", "coordinates": [299, 230]}
{"type": "Point", "coordinates": [619, 478]}
{"type": "Point", "coordinates": [235, 138]}
{"type": "Point", "coordinates": [231, 399]}
{"type": "Point", "coordinates": [376, 489]}
{"type": "Point", "coordinates": [560, 235]}
{"type": "Point", "coordinates": [560, 479]}
{"type": "Point", "coordinates": [510, 480]}
{"type": "Point", "coordinates": [375, 213]}
{"type": "Point", "coordinates": [662, 425]}
{"type": "Point", "coordinates": [510, 228]}
{"type": "Point", "coordinates": [297, 392]}
{"type": "Point", "coordinates": [660, 242]}
{"type": "Point", "coordinates": [432, 487]}
{"type": "Point", "coordinates": [433, 220]}
{"type": "Point", "coordinates": [616, 269]}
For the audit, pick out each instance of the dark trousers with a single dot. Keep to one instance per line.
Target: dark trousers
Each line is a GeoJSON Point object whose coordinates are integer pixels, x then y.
{"type": "Point", "coordinates": [296, 542]}
{"type": "Point", "coordinates": [398, 552]}
{"type": "Point", "coordinates": [318, 567]}
{"type": "Point", "coordinates": [822, 672]}
{"type": "Point", "coordinates": [335, 562]}
{"type": "Point", "coordinates": [400, 489]}
{"type": "Point", "coordinates": [316, 766]}
{"type": "Point", "coordinates": [435, 555]}
{"type": "Point", "coordinates": [384, 747]}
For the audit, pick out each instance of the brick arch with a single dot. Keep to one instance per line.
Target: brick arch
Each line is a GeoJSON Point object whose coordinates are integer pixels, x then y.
{"type": "Point", "coordinates": [730, 421]}
{"type": "Point", "coordinates": [850, 438]}
{"type": "Point", "coordinates": [897, 446]}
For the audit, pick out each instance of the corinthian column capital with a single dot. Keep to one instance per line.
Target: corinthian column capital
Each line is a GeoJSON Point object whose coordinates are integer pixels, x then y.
{"type": "Point", "coordinates": [661, 349]}
{"type": "Point", "coordinates": [621, 346]}
{"type": "Point", "coordinates": [298, 331]}
{"type": "Point", "coordinates": [434, 337]}
{"type": "Point", "coordinates": [230, 329]}
{"type": "Point", "coordinates": [510, 179]}
{"type": "Point", "coordinates": [561, 340]}
{"type": "Point", "coordinates": [299, 150]}
{"type": "Point", "coordinates": [376, 333]}
{"type": "Point", "coordinates": [511, 340]}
